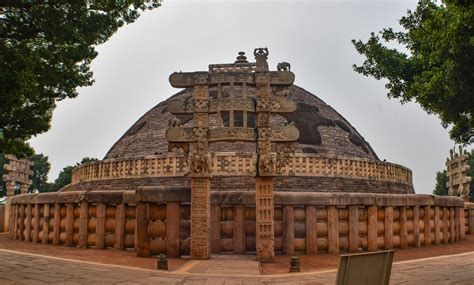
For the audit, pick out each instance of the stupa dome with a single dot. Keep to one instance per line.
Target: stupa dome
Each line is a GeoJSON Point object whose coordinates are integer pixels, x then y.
{"type": "Point", "coordinates": [330, 155]}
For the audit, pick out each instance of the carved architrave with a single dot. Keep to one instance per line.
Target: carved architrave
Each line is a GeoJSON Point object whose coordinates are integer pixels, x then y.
{"type": "Point", "coordinates": [188, 79]}
{"type": "Point", "coordinates": [232, 134]}
{"type": "Point", "coordinates": [238, 104]}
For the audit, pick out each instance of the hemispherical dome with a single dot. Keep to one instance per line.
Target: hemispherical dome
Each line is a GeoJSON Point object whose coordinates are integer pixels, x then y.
{"type": "Point", "coordinates": [322, 129]}
{"type": "Point", "coordinates": [329, 155]}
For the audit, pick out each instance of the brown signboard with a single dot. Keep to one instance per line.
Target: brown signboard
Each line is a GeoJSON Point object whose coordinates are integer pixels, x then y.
{"type": "Point", "coordinates": [365, 268]}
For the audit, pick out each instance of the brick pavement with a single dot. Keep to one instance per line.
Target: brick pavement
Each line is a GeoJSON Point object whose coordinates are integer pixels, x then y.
{"type": "Point", "coordinates": [24, 268]}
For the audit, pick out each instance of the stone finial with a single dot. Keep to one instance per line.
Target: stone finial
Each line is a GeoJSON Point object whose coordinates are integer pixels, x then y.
{"type": "Point", "coordinates": [241, 58]}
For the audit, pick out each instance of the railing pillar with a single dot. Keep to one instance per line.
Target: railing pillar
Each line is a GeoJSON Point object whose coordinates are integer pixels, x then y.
{"type": "Point", "coordinates": [83, 221]}
{"type": "Point", "coordinates": [100, 226]}
{"type": "Point", "coordinates": [353, 228]}
{"type": "Point", "coordinates": [311, 233]}
{"type": "Point", "coordinates": [46, 218]}
{"type": "Point", "coordinates": [288, 223]}
{"type": "Point", "coordinates": [403, 227]}
{"type": "Point", "coordinates": [142, 232]}
{"type": "Point", "coordinates": [372, 228]}
{"type": "Point", "coordinates": [333, 229]}
{"type": "Point", "coordinates": [172, 229]}
{"type": "Point", "coordinates": [120, 226]}
{"type": "Point", "coordinates": [238, 239]}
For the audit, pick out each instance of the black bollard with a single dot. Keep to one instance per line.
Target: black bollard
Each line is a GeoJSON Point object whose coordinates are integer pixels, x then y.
{"type": "Point", "coordinates": [162, 262]}
{"type": "Point", "coordinates": [295, 264]}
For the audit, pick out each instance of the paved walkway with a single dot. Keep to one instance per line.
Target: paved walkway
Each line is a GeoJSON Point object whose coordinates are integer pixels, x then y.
{"type": "Point", "coordinates": [24, 268]}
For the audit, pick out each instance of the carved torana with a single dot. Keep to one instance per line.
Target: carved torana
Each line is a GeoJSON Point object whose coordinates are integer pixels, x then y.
{"type": "Point", "coordinates": [199, 136]}
{"type": "Point", "coordinates": [459, 181]}
{"type": "Point", "coordinates": [18, 171]}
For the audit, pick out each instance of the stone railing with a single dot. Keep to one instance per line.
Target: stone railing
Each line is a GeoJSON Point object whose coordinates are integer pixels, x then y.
{"type": "Point", "coordinates": [232, 164]}
{"type": "Point", "coordinates": [157, 220]}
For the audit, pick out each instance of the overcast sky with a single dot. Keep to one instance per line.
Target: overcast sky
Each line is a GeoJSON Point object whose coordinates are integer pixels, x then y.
{"type": "Point", "coordinates": [132, 69]}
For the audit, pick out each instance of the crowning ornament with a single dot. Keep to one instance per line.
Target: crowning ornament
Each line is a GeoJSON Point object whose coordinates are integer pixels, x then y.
{"type": "Point", "coordinates": [195, 140]}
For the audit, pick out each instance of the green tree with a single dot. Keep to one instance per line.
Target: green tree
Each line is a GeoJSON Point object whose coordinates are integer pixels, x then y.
{"type": "Point", "coordinates": [40, 169]}
{"type": "Point", "coordinates": [45, 54]}
{"type": "Point", "coordinates": [437, 71]}
{"type": "Point", "coordinates": [441, 180]}
{"type": "Point", "coordinates": [64, 177]}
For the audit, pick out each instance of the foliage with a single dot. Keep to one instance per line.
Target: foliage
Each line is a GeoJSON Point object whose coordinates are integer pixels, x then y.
{"type": "Point", "coordinates": [471, 173]}
{"type": "Point", "coordinates": [441, 181]}
{"type": "Point", "coordinates": [3, 187]}
{"type": "Point", "coordinates": [64, 177]}
{"type": "Point", "coordinates": [45, 54]}
{"type": "Point", "coordinates": [438, 69]}
{"type": "Point", "coordinates": [40, 169]}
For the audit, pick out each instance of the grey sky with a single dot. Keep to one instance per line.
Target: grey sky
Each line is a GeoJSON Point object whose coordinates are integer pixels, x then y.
{"type": "Point", "coordinates": [132, 69]}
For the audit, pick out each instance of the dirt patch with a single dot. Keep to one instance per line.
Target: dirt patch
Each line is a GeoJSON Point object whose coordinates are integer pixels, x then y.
{"type": "Point", "coordinates": [325, 261]}
{"type": "Point", "coordinates": [116, 257]}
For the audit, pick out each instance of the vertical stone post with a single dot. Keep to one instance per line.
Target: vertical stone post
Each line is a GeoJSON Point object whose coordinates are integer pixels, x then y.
{"type": "Point", "coordinates": [333, 229]}
{"type": "Point", "coordinates": [120, 226]}
{"type": "Point", "coordinates": [427, 221]}
{"type": "Point", "coordinates": [288, 223]}
{"type": "Point", "coordinates": [416, 225]}
{"type": "Point", "coordinates": [462, 224]}
{"type": "Point", "coordinates": [172, 229]}
{"type": "Point", "coordinates": [142, 231]}
{"type": "Point", "coordinates": [15, 221]}
{"type": "Point", "coordinates": [353, 228]}
{"type": "Point", "coordinates": [388, 225]}
{"type": "Point", "coordinates": [100, 226]}
{"type": "Point", "coordinates": [311, 233]}
{"type": "Point", "coordinates": [28, 222]}
{"type": "Point", "coordinates": [83, 220]}
{"type": "Point", "coordinates": [200, 217]}
{"type": "Point", "coordinates": [471, 221]}
{"type": "Point", "coordinates": [372, 228]}
{"type": "Point", "coordinates": [215, 229]}
{"type": "Point", "coordinates": [238, 239]}
{"type": "Point", "coordinates": [46, 218]}
{"type": "Point", "coordinates": [10, 210]}
{"type": "Point", "coordinates": [265, 236]}
{"type": "Point", "coordinates": [437, 225]}
{"type": "Point", "coordinates": [457, 223]}
{"type": "Point", "coordinates": [403, 227]}
{"type": "Point", "coordinates": [69, 224]}
{"type": "Point", "coordinates": [445, 225]}
{"type": "Point", "coordinates": [452, 234]}
{"type": "Point", "coordinates": [57, 224]}
{"type": "Point", "coordinates": [22, 222]}
{"type": "Point", "coordinates": [36, 223]}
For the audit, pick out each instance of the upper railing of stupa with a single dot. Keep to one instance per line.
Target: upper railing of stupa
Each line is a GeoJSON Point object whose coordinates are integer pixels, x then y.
{"type": "Point", "coordinates": [243, 164]}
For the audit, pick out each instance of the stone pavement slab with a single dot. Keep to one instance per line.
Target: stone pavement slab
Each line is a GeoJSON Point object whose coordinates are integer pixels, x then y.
{"type": "Point", "coordinates": [24, 268]}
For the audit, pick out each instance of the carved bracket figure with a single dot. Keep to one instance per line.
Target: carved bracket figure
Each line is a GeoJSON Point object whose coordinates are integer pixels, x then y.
{"type": "Point", "coordinates": [283, 66]}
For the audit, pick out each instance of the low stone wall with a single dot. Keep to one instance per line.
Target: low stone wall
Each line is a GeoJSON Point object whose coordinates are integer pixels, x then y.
{"type": "Point", "coordinates": [154, 220]}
